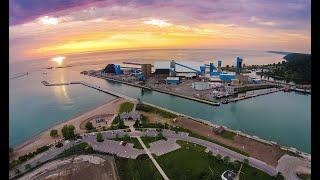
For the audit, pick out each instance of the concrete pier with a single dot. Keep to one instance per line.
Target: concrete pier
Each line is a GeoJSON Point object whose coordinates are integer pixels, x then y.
{"type": "Point", "coordinates": [54, 84]}
{"type": "Point", "coordinates": [255, 95]}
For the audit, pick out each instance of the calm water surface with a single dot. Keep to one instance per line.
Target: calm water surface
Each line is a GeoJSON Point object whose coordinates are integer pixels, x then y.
{"type": "Point", "coordinates": [281, 117]}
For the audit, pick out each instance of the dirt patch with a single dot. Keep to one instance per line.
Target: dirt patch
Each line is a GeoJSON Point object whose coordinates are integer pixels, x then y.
{"type": "Point", "coordinates": [156, 118]}
{"type": "Point", "coordinates": [107, 118]}
{"type": "Point", "coordinates": [258, 150]}
{"type": "Point", "coordinates": [79, 170]}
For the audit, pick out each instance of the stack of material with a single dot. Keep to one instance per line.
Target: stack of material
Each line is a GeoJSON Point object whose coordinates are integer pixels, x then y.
{"type": "Point", "coordinates": [109, 69]}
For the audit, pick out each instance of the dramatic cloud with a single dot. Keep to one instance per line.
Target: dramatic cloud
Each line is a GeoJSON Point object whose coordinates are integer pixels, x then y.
{"type": "Point", "coordinates": [42, 28]}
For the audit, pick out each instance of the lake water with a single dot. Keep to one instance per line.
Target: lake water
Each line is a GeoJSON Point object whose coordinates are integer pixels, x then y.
{"type": "Point", "coordinates": [281, 117]}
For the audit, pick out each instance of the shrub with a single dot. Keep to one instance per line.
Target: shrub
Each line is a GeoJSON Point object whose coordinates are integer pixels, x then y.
{"type": "Point", "coordinates": [16, 171]}
{"type": "Point", "coordinates": [99, 137]}
{"type": "Point", "coordinates": [89, 126]}
{"type": "Point", "coordinates": [54, 133]}
{"type": "Point", "coordinates": [27, 166]}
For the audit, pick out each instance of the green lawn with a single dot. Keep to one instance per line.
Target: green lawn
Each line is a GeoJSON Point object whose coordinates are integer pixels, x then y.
{"type": "Point", "coordinates": [126, 107]}
{"type": "Point", "coordinates": [192, 162]}
{"type": "Point", "coordinates": [134, 141]}
{"type": "Point", "coordinates": [141, 168]}
{"type": "Point", "coordinates": [151, 109]}
{"type": "Point", "coordinates": [228, 134]}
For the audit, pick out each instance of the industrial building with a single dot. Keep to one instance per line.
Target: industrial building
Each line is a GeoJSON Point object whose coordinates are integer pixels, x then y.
{"type": "Point", "coordinates": [173, 80]}
{"type": "Point", "coordinates": [201, 86]}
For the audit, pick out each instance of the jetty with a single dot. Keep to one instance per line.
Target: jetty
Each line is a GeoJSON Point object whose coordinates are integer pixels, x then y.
{"type": "Point", "coordinates": [54, 84]}
{"type": "Point", "coordinates": [19, 75]}
{"type": "Point", "coordinates": [104, 90]}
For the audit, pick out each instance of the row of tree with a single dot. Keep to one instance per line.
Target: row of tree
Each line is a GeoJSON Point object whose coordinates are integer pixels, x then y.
{"type": "Point", "coordinates": [67, 132]}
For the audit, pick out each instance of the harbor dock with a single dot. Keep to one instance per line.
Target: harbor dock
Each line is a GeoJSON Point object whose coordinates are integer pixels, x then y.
{"type": "Point", "coordinates": [155, 89]}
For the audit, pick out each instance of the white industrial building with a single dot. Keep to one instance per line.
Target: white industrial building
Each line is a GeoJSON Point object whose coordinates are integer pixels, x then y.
{"type": "Point", "coordinates": [201, 86]}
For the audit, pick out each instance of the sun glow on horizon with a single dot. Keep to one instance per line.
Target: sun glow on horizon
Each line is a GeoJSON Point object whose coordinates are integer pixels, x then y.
{"type": "Point", "coordinates": [58, 59]}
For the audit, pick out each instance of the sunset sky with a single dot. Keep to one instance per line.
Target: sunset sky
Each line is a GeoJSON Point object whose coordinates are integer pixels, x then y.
{"type": "Point", "coordinates": [41, 29]}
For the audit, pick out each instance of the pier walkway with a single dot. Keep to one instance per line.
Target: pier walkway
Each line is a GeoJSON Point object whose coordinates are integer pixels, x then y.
{"type": "Point", "coordinates": [255, 95]}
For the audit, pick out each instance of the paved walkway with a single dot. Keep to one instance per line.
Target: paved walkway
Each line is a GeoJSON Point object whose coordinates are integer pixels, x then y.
{"type": "Point", "coordinates": [290, 165]}
{"type": "Point", "coordinates": [113, 147]}
{"type": "Point", "coordinates": [163, 147]}
{"type": "Point", "coordinates": [153, 160]}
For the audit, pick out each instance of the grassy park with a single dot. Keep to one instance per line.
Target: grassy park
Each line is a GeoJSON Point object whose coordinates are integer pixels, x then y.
{"type": "Point", "coordinates": [140, 168]}
{"type": "Point", "coordinates": [189, 162]}
{"type": "Point", "coordinates": [126, 107]}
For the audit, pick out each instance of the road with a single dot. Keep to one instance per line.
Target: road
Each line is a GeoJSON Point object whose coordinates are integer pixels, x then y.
{"type": "Point", "coordinates": [43, 157]}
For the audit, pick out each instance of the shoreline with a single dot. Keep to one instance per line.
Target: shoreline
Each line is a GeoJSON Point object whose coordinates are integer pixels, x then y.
{"type": "Point", "coordinates": [43, 138]}
{"type": "Point", "coordinates": [32, 138]}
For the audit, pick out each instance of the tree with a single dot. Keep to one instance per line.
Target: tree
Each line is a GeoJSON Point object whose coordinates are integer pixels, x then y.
{"type": "Point", "coordinates": [99, 137]}
{"type": "Point", "coordinates": [121, 124]}
{"type": "Point", "coordinates": [89, 126]}
{"type": "Point", "coordinates": [68, 131]}
{"type": "Point", "coordinates": [27, 166]}
{"type": "Point", "coordinates": [54, 133]}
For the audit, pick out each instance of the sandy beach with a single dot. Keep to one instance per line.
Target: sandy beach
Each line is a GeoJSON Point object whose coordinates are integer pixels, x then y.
{"type": "Point", "coordinates": [44, 137]}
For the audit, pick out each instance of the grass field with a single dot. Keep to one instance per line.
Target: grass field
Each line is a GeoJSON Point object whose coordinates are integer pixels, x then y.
{"type": "Point", "coordinates": [228, 135]}
{"type": "Point", "coordinates": [141, 168]}
{"type": "Point", "coordinates": [126, 107]}
{"type": "Point", "coordinates": [150, 109]}
{"type": "Point", "coordinates": [192, 162]}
